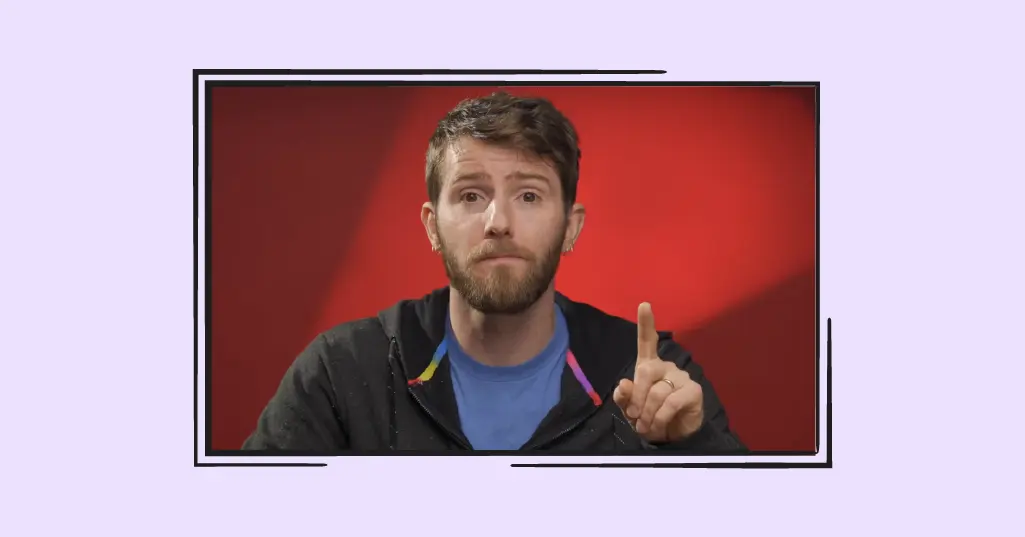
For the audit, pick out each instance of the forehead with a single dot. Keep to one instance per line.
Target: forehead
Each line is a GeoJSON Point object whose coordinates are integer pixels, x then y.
{"type": "Point", "coordinates": [469, 156]}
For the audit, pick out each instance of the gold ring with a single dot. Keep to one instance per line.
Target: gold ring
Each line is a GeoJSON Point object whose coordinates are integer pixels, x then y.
{"type": "Point", "coordinates": [670, 383]}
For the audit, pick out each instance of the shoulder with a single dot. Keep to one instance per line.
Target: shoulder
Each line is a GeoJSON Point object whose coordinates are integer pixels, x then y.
{"type": "Point", "coordinates": [601, 323]}
{"type": "Point", "coordinates": [353, 332]}
{"type": "Point", "coordinates": [351, 340]}
{"type": "Point", "coordinates": [607, 331]}
{"type": "Point", "coordinates": [339, 347]}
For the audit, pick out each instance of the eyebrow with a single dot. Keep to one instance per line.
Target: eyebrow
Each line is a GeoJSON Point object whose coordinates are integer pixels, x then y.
{"type": "Point", "coordinates": [520, 176]}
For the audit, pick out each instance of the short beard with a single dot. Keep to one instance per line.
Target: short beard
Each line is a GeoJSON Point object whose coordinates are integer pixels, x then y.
{"type": "Point", "coordinates": [500, 292]}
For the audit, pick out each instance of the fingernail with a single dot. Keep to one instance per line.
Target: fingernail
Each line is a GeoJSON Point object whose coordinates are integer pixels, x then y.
{"type": "Point", "coordinates": [632, 413]}
{"type": "Point", "coordinates": [641, 428]}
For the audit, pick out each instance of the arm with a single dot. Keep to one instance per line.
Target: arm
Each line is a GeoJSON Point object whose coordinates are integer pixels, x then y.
{"type": "Point", "coordinates": [303, 415]}
{"type": "Point", "coordinates": [714, 436]}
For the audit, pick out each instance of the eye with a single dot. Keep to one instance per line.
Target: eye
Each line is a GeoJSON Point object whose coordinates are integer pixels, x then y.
{"type": "Point", "coordinates": [530, 197]}
{"type": "Point", "coordinates": [470, 197]}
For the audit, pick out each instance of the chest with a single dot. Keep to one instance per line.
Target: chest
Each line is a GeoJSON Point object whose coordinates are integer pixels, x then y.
{"type": "Point", "coordinates": [503, 414]}
{"type": "Point", "coordinates": [414, 429]}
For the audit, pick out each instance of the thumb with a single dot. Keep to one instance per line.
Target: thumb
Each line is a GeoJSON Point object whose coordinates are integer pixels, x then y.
{"type": "Point", "coordinates": [623, 394]}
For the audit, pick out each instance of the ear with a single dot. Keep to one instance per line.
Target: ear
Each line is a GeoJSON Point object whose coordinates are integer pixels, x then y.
{"type": "Point", "coordinates": [430, 222]}
{"type": "Point", "coordinates": [573, 228]}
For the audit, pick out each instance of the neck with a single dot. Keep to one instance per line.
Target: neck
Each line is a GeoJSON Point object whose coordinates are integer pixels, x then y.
{"type": "Point", "coordinates": [503, 340]}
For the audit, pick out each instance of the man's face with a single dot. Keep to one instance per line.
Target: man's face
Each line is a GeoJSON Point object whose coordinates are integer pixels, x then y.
{"type": "Point", "coordinates": [501, 225]}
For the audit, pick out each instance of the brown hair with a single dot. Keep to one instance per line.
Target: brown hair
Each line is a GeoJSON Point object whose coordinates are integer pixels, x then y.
{"type": "Point", "coordinates": [531, 124]}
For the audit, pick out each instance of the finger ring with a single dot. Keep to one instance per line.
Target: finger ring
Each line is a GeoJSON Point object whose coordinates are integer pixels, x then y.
{"type": "Point", "coordinates": [669, 382]}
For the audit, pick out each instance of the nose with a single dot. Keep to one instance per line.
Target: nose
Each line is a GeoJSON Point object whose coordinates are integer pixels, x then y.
{"type": "Point", "coordinates": [496, 220]}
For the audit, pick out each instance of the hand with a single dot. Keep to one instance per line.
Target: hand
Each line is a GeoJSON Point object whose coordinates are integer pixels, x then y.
{"type": "Point", "coordinates": [658, 410]}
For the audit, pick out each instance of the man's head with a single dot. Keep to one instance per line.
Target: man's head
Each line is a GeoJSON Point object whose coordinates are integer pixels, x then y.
{"type": "Point", "coordinates": [502, 177]}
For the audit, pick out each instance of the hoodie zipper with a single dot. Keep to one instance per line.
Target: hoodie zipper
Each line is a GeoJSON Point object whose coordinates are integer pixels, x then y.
{"type": "Point", "coordinates": [451, 433]}
{"type": "Point", "coordinates": [564, 432]}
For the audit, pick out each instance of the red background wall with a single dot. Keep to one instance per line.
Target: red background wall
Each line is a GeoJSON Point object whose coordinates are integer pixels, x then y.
{"type": "Point", "coordinates": [700, 200]}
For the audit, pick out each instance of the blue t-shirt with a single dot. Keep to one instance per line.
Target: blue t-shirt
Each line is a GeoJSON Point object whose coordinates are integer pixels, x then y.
{"type": "Point", "coordinates": [501, 407]}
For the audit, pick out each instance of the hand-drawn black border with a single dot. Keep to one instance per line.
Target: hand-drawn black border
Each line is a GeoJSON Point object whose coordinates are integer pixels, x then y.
{"type": "Point", "coordinates": [210, 84]}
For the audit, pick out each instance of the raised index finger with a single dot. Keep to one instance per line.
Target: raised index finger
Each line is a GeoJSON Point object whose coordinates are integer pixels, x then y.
{"type": "Point", "coordinates": [647, 337]}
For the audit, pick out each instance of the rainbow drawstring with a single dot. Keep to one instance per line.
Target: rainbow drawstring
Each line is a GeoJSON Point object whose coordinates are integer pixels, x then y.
{"type": "Point", "coordinates": [571, 360]}
{"type": "Point", "coordinates": [581, 378]}
{"type": "Point", "coordinates": [439, 353]}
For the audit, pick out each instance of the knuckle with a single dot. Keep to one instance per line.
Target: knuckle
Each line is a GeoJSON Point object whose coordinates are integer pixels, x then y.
{"type": "Point", "coordinates": [649, 412]}
{"type": "Point", "coordinates": [646, 411]}
{"type": "Point", "coordinates": [649, 369]}
{"type": "Point", "coordinates": [678, 403]}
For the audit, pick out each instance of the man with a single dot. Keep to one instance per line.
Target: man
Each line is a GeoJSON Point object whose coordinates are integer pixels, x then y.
{"type": "Point", "coordinates": [498, 360]}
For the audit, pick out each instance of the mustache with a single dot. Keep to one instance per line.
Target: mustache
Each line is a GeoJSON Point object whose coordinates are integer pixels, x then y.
{"type": "Point", "coordinates": [490, 250]}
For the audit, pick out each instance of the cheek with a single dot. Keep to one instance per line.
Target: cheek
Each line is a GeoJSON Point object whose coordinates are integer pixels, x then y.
{"type": "Point", "coordinates": [540, 240]}
{"type": "Point", "coordinates": [540, 231]}
{"type": "Point", "coordinates": [461, 234]}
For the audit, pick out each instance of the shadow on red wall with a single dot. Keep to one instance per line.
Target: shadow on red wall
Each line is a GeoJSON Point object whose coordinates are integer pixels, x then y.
{"type": "Point", "coordinates": [281, 226]}
{"type": "Point", "coordinates": [746, 342]}
{"type": "Point", "coordinates": [700, 200]}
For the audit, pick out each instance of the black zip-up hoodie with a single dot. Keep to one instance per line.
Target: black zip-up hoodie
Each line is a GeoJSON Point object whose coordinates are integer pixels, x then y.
{"type": "Point", "coordinates": [356, 388]}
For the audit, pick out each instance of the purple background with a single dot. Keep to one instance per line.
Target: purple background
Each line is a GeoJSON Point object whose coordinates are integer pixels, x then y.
{"type": "Point", "coordinates": [921, 232]}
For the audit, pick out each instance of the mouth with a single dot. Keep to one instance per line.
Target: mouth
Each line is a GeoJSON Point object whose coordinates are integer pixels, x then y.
{"type": "Point", "coordinates": [501, 259]}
